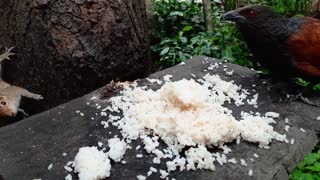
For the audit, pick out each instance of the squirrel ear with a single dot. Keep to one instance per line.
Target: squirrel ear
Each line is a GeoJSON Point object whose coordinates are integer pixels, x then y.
{"type": "Point", "coordinates": [1, 97]}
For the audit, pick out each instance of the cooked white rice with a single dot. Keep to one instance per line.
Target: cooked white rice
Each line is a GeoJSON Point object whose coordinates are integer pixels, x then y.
{"type": "Point", "coordinates": [117, 150]}
{"type": "Point", "coordinates": [184, 114]}
{"type": "Point", "coordinates": [92, 164]}
{"type": "Point", "coordinates": [50, 167]}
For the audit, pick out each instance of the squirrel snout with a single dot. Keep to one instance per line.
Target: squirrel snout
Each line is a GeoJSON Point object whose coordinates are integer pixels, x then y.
{"type": "Point", "coordinates": [8, 113]}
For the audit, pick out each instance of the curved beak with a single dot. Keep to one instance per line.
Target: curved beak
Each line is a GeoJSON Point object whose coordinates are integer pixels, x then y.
{"type": "Point", "coordinates": [231, 16]}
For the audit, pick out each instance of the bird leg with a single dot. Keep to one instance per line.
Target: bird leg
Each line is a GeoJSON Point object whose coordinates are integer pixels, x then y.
{"type": "Point", "coordinates": [298, 96]}
{"type": "Point", "coordinates": [308, 91]}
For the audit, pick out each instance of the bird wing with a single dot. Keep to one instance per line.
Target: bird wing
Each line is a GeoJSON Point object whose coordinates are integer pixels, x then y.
{"type": "Point", "coordinates": [309, 69]}
{"type": "Point", "coordinates": [304, 47]}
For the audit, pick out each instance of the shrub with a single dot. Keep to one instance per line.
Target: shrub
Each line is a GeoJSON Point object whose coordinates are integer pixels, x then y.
{"type": "Point", "coordinates": [171, 16]}
{"type": "Point", "coordinates": [178, 30]}
{"type": "Point", "coordinates": [179, 34]}
{"type": "Point", "coordinates": [309, 168]}
{"type": "Point", "coordinates": [285, 7]}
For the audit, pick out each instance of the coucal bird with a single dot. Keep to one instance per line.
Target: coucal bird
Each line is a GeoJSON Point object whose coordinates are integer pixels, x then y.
{"type": "Point", "coordinates": [288, 47]}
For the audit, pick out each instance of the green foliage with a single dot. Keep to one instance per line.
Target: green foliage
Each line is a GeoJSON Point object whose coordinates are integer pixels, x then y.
{"type": "Point", "coordinates": [290, 8]}
{"type": "Point", "coordinates": [179, 34]}
{"type": "Point", "coordinates": [171, 16]}
{"type": "Point", "coordinates": [309, 168]}
{"type": "Point", "coordinates": [219, 44]}
{"type": "Point", "coordinates": [178, 30]}
{"type": "Point", "coordinates": [286, 7]}
{"type": "Point", "coordinates": [304, 83]}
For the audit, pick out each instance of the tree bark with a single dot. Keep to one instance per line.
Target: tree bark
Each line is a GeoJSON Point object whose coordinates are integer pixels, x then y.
{"type": "Point", "coordinates": [208, 15]}
{"type": "Point", "coordinates": [315, 6]}
{"type": "Point", "coordinates": [67, 48]}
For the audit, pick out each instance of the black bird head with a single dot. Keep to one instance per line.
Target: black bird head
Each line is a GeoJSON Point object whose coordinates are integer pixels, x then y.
{"type": "Point", "coordinates": [250, 14]}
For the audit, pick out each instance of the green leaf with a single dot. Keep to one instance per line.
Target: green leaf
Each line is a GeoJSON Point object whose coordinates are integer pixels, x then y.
{"type": "Point", "coordinates": [182, 56]}
{"type": "Point", "coordinates": [311, 158]}
{"type": "Point", "coordinates": [317, 164]}
{"type": "Point", "coordinates": [301, 82]}
{"type": "Point", "coordinates": [317, 87]}
{"type": "Point", "coordinates": [306, 176]}
{"type": "Point", "coordinates": [180, 34]}
{"type": "Point", "coordinates": [297, 173]}
{"type": "Point", "coordinates": [187, 28]}
{"type": "Point", "coordinates": [313, 168]}
{"type": "Point", "coordinates": [164, 51]}
{"type": "Point", "coordinates": [228, 52]}
{"type": "Point", "coordinates": [176, 13]}
{"type": "Point", "coordinates": [183, 39]}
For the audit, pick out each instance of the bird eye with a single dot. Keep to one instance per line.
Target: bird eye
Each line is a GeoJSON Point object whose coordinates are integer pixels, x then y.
{"type": "Point", "coordinates": [3, 103]}
{"type": "Point", "coordinates": [251, 13]}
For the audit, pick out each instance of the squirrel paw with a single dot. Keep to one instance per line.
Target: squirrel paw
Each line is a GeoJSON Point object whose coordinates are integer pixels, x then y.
{"type": "Point", "coordinates": [23, 112]}
{"type": "Point", "coordinates": [37, 97]}
{"type": "Point", "coordinates": [7, 54]}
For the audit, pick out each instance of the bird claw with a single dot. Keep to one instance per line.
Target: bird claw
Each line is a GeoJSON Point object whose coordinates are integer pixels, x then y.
{"type": "Point", "coordinates": [7, 54]}
{"type": "Point", "coordinates": [298, 97]}
{"type": "Point", "coordinates": [307, 101]}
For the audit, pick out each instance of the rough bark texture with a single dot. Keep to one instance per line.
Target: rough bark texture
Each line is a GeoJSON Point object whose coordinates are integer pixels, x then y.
{"type": "Point", "coordinates": [67, 48]}
{"type": "Point", "coordinates": [28, 147]}
{"type": "Point", "coordinates": [207, 11]}
{"type": "Point", "coordinates": [315, 5]}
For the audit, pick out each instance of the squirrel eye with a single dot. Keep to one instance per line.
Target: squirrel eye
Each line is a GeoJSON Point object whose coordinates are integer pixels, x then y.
{"type": "Point", "coordinates": [251, 14]}
{"type": "Point", "coordinates": [3, 103]}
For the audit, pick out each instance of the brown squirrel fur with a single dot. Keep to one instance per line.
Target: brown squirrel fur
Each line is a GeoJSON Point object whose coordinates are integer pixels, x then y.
{"type": "Point", "coordinates": [10, 95]}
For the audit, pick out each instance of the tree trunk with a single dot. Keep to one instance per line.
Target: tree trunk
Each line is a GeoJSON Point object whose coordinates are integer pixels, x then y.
{"type": "Point", "coordinates": [67, 48]}
{"type": "Point", "coordinates": [315, 6]}
{"type": "Point", "coordinates": [208, 14]}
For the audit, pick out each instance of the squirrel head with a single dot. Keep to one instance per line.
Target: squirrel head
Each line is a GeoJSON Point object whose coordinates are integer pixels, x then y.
{"type": "Point", "coordinates": [7, 108]}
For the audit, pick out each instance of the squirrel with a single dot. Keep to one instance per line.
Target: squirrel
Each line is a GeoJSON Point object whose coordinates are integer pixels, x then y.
{"type": "Point", "coordinates": [10, 95]}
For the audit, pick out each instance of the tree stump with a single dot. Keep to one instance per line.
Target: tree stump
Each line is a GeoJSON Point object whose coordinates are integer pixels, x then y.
{"type": "Point", "coordinates": [27, 148]}
{"type": "Point", "coordinates": [67, 48]}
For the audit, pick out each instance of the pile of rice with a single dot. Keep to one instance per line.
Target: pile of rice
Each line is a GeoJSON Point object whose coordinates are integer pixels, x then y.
{"type": "Point", "coordinates": [91, 164]}
{"type": "Point", "coordinates": [183, 114]}
{"type": "Point", "coordinates": [187, 113]}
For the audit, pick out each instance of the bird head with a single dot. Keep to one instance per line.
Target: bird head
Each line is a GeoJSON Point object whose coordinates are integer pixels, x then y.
{"type": "Point", "coordinates": [250, 14]}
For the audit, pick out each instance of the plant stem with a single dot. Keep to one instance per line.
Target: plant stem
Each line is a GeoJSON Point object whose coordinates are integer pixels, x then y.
{"type": "Point", "coordinates": [208, 15]}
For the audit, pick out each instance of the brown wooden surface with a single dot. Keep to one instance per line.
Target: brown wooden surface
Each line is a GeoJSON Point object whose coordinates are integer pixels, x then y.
{"type": "Point", "coordinates": [28, 147]}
